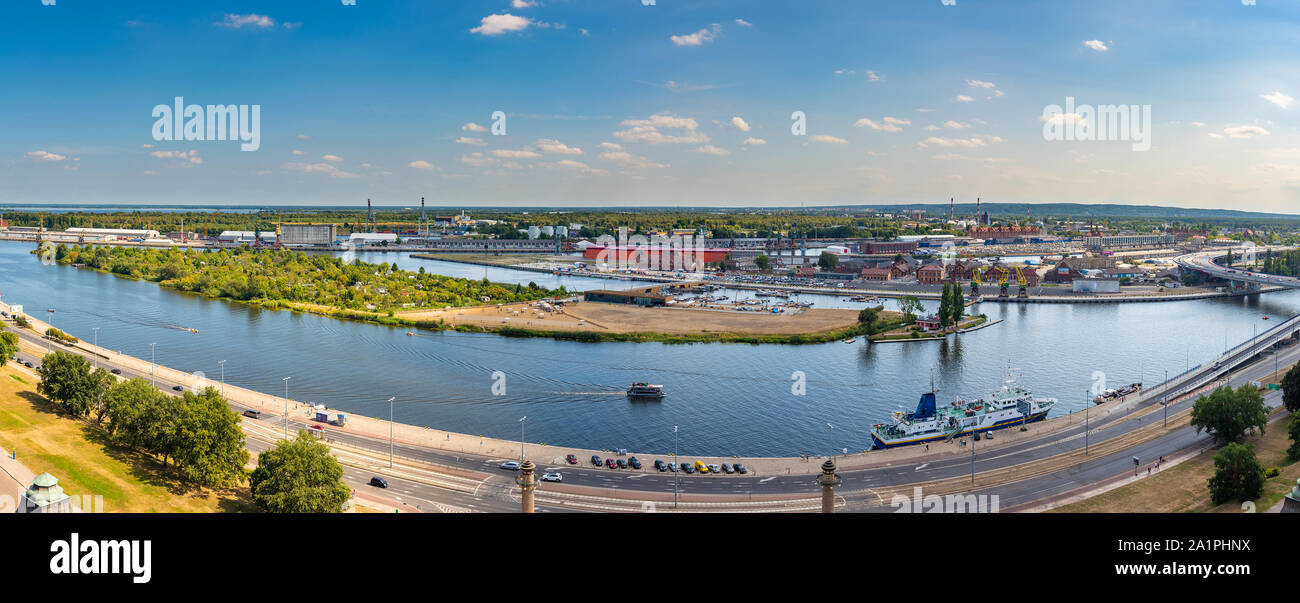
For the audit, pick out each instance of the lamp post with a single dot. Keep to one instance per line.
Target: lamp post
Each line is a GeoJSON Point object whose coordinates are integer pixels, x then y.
{"type": "Point", "coordinates": [96, 330]}
{"type": "Point", "coordinates": [286, 407]}
{"type": "Point", "coordinates": [521, 437]}
{"type": "Point", "coordinates": [1165, 395]}
{"type": "Point", "coordinates": [679, 468]}
{"type": "Point", "coordinates": [1086, 410]}
{"type": "Point", "coordinates": [153, 363]}
{"type": "Point", "coordinates": [223, 377]}
{"type": "Point", "coordinates": [390, 431]}
{"type": "Point", "coordinates": [48, 337]}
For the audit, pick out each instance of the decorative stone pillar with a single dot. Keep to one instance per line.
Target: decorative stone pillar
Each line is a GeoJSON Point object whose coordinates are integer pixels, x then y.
{"type": "Point", "coordinates": [527, 485]}
{"type": "Point", "coordinates": [828, 482]}
{"type": "Point", "coordinates": [1291, 502]}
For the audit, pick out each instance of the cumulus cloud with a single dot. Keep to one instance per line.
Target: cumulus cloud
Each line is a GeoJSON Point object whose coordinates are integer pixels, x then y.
{"type": "Point", "coordinates": [739, 124]}
{"type": "Point", "coordinates": [478, 160]}
{"type": "Point", "coordinates": [495, 25]}
{"type": "Point", "coordinates": [698, 38]}
{"type": "Point", "coordinates": [962, 98]}
{"type": "Point", "coordinates": [550, 145]}
{"type": "Point", "coordinates": [956, 125]}
{"type": "Point", "coordinates": [872, 77]}
{"type": "Point", "coordinates": [1096, 45]}
{"type": "Point", "coordinates": [576, 166]}
{"type": "Point", "coordinates": [648, 130]}
{"type": "Point", "coordinates": [334, 158]}
{"type": "Point", "coordinates": [743, 23]}
{"type": "Point", "coordinates": [1279, 99]}
{"type": "Point", "coordinates": [421, 164]}
{"type": "Point", "coordinates": [1245, 131]}
{"type": "Point", "coordinates": [186, 159]}
{"type": "Point", "coordinates": [891, 124]}
{"type": "Point", "coordinates": [826, 139]}
{"type": "Point", "coordinates": [47, 156]}
{"type": "Point", "coordinates": [472, 127]}
{"type": "Point", "coordinates": [751, 141]}
{"type": "Point", "coordinates": [980, 84]}
{"type": "Point", "coordinates": [522, 3]}
{"type": "Point", "coordinates": [319, 168]}
{"type": "Point", "coordinates": [516, 154]}
{"type": "Point", "coordinates": [470, 140]}
{"type": "Point", "coordinates": [709, 149]}
{"type": "Point", "coordinates": [617, 155]}
{"type": "Point", "coordinates": [250, 20]}
{"type": "Point", "coordinates": [303, 137]}
{"type": "Point", "coordinates": [297, 152]}
{"type": "Point", "coordinates": [969, 143]}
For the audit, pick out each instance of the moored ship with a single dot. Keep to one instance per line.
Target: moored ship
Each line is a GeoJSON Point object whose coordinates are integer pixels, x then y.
{"type": "Point", "coordinates": [1011, 405]}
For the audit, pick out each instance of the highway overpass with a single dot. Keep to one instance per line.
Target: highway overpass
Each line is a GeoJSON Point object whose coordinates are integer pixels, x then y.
{"type": "Point", "coordinates": [1203, 262]}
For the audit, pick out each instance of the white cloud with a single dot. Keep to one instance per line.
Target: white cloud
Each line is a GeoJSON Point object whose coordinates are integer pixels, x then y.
{"type": "Point", "coordinates": [472, 127]}
{"type": "Point", "coordinates": [1279, 99]}
{"type": "Point", "coordinates": [1199, 124]}
{"type": "Point", "coordinates": [744, 23]}
{"type": "Point", "coordinates": [844, 72]}
{"type": "Point", "coordinates": [872, 77]}
{"type": "Point", "coordinates": [470, 140]}
{"type": "Point", "coordinates": [826, 139]}
{"type": "Point", "coordinates": [925, 110]}
{"type": "Point", "coordinates": [47, 156]}
{"type": "Point", "coordinates": [251, 20]}
{"type": "Point", "coordinates": [698, 38]}
{"type": "Point", "coordinates": [647, 130]}
{"type": "Point", "coordinates": [146, 146]}
{"type": "Point", "coordinates": [189, 159]}
{"type": "Point", "coordinates": [477, 159]}
{"type": "Point", "coordinates": [969, 143]}
{"type": "Point", "coordinates": [751, 141]}
{"type": "Point", "coordinates": [1245, 131]}
{"type": "Point", "coordinates": [962, 98]}
{"type": "Point", "coordinates": [1096, 45]}
{"type": "Point", "coordinates": [897, 121]}
{"type": "Point", "coordinates": [522, 3]}
{"type": "Point", "coordinates": [626, 159]}
{"type": "Point", "coordinates": [334, 158]}
{"type": "Point", "coordinates": [739, 124]}
{"type": "Point", "coordinates": [550, 145]}
{"type": "Point", "coordinates": [980, 84]}
{"type": "Point", "coordinates": [297, 152]}
{"type": "Point", "coordinates": [1214, 135]}
{"type": "Point", "coordinates": [891, 124]}
{"type": "Point", "coordinates": [613, 146]}
{"type": "Point", "coordinates": [712, 150]}
{"type": "Point", "coordinates": [494, 25]}
{"type": "Point", "coordinates": [421, 164]}
{"type": "Point", "coordinates": [303, 137]}
{"type": "Point", "coordinates": [956, 125]}
{"type": "Point", "coordinates": [569, 164]}
{"type": "Point", "coordinates": [319, 168]}
{"type": "Point", "coordinates": [519, 154]}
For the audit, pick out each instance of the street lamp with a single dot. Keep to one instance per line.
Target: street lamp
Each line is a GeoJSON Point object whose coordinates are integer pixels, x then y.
{"type": "Point", "coordinates": [1165, 395]}
{"type": "Point", "coordinates": [390, 431]}
{"type": "Point", "coordinates": [153, 362]}
{"type": "Point", "coordinates": [679, 468]}
{"type": "Point", "coordinates": [96, 330]}
{"type": "Point", "coordinates": [48, 337]}
{"type": "Point", "coordinates": [223, 377]}
{"type": "Point", "coordinates": [286, 407]}
{"type": "Point", "coordinates": [521, 437]}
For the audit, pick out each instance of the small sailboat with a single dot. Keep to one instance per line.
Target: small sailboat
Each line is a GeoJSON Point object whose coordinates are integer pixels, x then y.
{"type": "Point", "coordinates": [850, 340]}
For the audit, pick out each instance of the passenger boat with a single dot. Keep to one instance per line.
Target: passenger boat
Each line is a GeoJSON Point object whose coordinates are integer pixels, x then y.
{"type": "Point", "coordinates": [1011, 405]}
{"type": "Point", "coordinates": [642, 390]}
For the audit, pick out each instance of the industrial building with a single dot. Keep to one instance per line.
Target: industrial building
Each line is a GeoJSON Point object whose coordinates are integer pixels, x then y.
{"type": "Point", "coordinates": [657, 257]}
{"type": "Point", "coordinates": [1095, 285]}
{"type": "Point", "coordinates": [242, 237]}
{"type": "Point", "coordinates": [644, 296]}
{"type": "Point", "coordinates": [308, 234]}
{"type": "Point", "coordinates": [888, 247]}
{"type": "Point", "coordinates": [1119, 241]}
{"type": "Point", "coordinates": [362, 239]}
{"type": "Point", "coordinates": [119, 233]}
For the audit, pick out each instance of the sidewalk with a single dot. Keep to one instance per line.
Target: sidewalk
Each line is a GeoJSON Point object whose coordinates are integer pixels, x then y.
{"type": "Point", "coordinates": [14, 479]}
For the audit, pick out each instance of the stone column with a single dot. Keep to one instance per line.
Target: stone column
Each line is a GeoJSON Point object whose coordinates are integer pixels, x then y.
{"type": "Point", "coordinates": [828, 482]}
{"type": "Point", "coordinates": [527, 485]}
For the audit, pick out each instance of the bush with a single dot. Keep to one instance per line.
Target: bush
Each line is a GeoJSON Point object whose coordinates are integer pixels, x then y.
{"type": "Point", "coordinates": [1237, 475]}
{"type": "Point", "coordinates": [1272, 472]}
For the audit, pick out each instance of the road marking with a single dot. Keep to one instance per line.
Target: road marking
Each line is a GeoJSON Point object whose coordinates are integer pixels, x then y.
{"type": "Point", "coordinates": [766, 479]}
{"type": "Point", "coordinates": [921, 466]}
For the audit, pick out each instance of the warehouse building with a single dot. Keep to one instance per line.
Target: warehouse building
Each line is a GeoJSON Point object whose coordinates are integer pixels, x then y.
{"type": "Point", "coordinates": [245, 237]}
{"type": "Point", "coordinates": [308, 234]}
{"type": "Point", "coordinates": [119, 233]}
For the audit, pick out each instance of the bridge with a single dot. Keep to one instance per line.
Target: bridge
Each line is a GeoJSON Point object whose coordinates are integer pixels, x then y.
{"type": "Point", "coordinates": [1203, 262]}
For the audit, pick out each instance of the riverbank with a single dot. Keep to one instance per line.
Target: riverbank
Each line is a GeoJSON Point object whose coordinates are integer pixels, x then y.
{"type": "Point", "coordinates": [896, 335]}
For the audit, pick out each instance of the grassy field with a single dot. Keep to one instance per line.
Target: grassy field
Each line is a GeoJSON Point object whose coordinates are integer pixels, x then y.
{"type": "Point", "coordinates": [1183, 487]}
{"type": "Point", "coordinates": [79, 454]}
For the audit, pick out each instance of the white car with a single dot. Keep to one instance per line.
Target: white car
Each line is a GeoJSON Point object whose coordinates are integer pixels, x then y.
{"type": "Point", "coordinates": [552, 477]}
{"type": "Point", "coordinates": [715, 469]}
{"type": "Point", "coordinates": [510, 465]}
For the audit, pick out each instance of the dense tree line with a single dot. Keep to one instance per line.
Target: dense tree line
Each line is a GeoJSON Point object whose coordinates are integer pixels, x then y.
{"type": "Point", "coordinates": [291, 276]}
{"type": "Point", "coordinates": [197, 433]}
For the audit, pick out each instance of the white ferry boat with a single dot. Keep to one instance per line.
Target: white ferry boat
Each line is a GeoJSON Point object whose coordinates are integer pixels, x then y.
{"type": "Point", "coordinates": [643, 390]}
{"type": "Point", "coordinates": [1009, 406]}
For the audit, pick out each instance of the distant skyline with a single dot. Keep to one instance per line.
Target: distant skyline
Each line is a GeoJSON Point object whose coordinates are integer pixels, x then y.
{"type": "Point", "coordinates": [613, 103]}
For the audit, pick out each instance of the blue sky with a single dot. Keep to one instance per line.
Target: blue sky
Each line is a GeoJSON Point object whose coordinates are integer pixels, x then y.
{"type": "Point", "coordinates": [614, 103]}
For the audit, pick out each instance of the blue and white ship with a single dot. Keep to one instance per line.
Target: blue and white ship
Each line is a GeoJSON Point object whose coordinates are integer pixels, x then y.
{"type": "Point", "coordinates": [1011, 405]}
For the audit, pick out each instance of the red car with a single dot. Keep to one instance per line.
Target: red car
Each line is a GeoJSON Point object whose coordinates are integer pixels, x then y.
{"type": "Point", "coordinates": [316, 427]}
{"type": "Point", "coordinates": [572, 458]}
{"type": "Point", "coordinates": [611, 463]}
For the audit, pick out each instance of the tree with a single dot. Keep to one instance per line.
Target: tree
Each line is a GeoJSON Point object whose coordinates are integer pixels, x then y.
{"type": "Point", "coordinates": [124, 406]}
{"type": "Point", "coordinates": [958, 305]}
{"type": "Point", "coordinates": [1291, 389]}
{"type": "Point", "coordinates": [1293, 430]}
{"type": "Point", "coordinates": [1237, 475]}
{"type": "Point", "coordinates": [910, 306]}
{"type": "Point", "coordinates": [1229, 415]}
{"type": "Point", "coordinates": [299, 476]}
{"type": "Point", "coordinates": [763, 262]}
{"type": "Point", "coordinates": [8, 345]}
{"type": "Point", "coordinates": [867, 316]}
{"type": "Point", "coordinates": [67, 380]}
{"type": "Point", "coordinates": [944, 304]}
{"type": "Point", "coordinates": [210, 445]}
{"type": "Point", "coordinates": [828, 260]}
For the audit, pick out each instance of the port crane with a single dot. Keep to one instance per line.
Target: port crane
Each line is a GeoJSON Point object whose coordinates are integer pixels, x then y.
{"type": "Point", "coordinates": [1023, 282]}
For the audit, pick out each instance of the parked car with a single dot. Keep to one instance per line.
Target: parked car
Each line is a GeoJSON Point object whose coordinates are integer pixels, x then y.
{"type": "Point", "coordinates": [28, 364]}
{"type": "Point", "coordinates": [687, 468]}
{"type": "Point", "coordinates": [726, 468]}
{"type": "Point", "coordinates": [572, 458]}
{"type": "Point", "coordinates": [633, 463]}
{"type": "Point", "coordinates": [510, 465]}
{"type": "Point", "coordinates": [672, 467]}
{"type": "Point", "coordinates": [378, 482]}
{"type": "Point", "coordinates": [552, 477]}
{"type": "Point", "coordinates": [740, 468]}
{"type": "Point", "coordinates": [659, 465]}
{"type": "Point", "coordinates": [595, 460]}
{"type": "Point", "coordinates": [622, 464]}
{"type": "Point", "coordinates": [701, 467]}
{"type": "Point", "coordinates": [714, 468]}
{"type": "Point", "coordinates": [253, 414]}
{"type": "Point", "coordinates": [116, 371]}
{"type": "Point", "coordinates": [611, 463]}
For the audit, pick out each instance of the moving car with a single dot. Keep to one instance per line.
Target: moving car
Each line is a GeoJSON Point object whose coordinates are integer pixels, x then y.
{"type": "Point", "coordinates": [510, 465]}
{"type": "Point", "coordinates": [552, 477]}
{"type": "Point", "coordinates": [315, 428]}
{"type": "Point", "coordinates": [572, 458]}
{"type": "Point", "coordinates": [116, 371]}
{"type": "Point", "coordinates": [178, 388]}
{"type": "Point", "coordinates": [253, 414]}
{"type": "Point", "coordinates": [378, 482]}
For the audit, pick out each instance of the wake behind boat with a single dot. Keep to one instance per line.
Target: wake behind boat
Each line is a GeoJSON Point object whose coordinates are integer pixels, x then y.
{"type": "Point", "coordinates": [1011, 405]}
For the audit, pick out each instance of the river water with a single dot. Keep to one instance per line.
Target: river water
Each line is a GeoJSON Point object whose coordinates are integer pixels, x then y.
{"type": "Point", "coordinates": [727, 398]}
